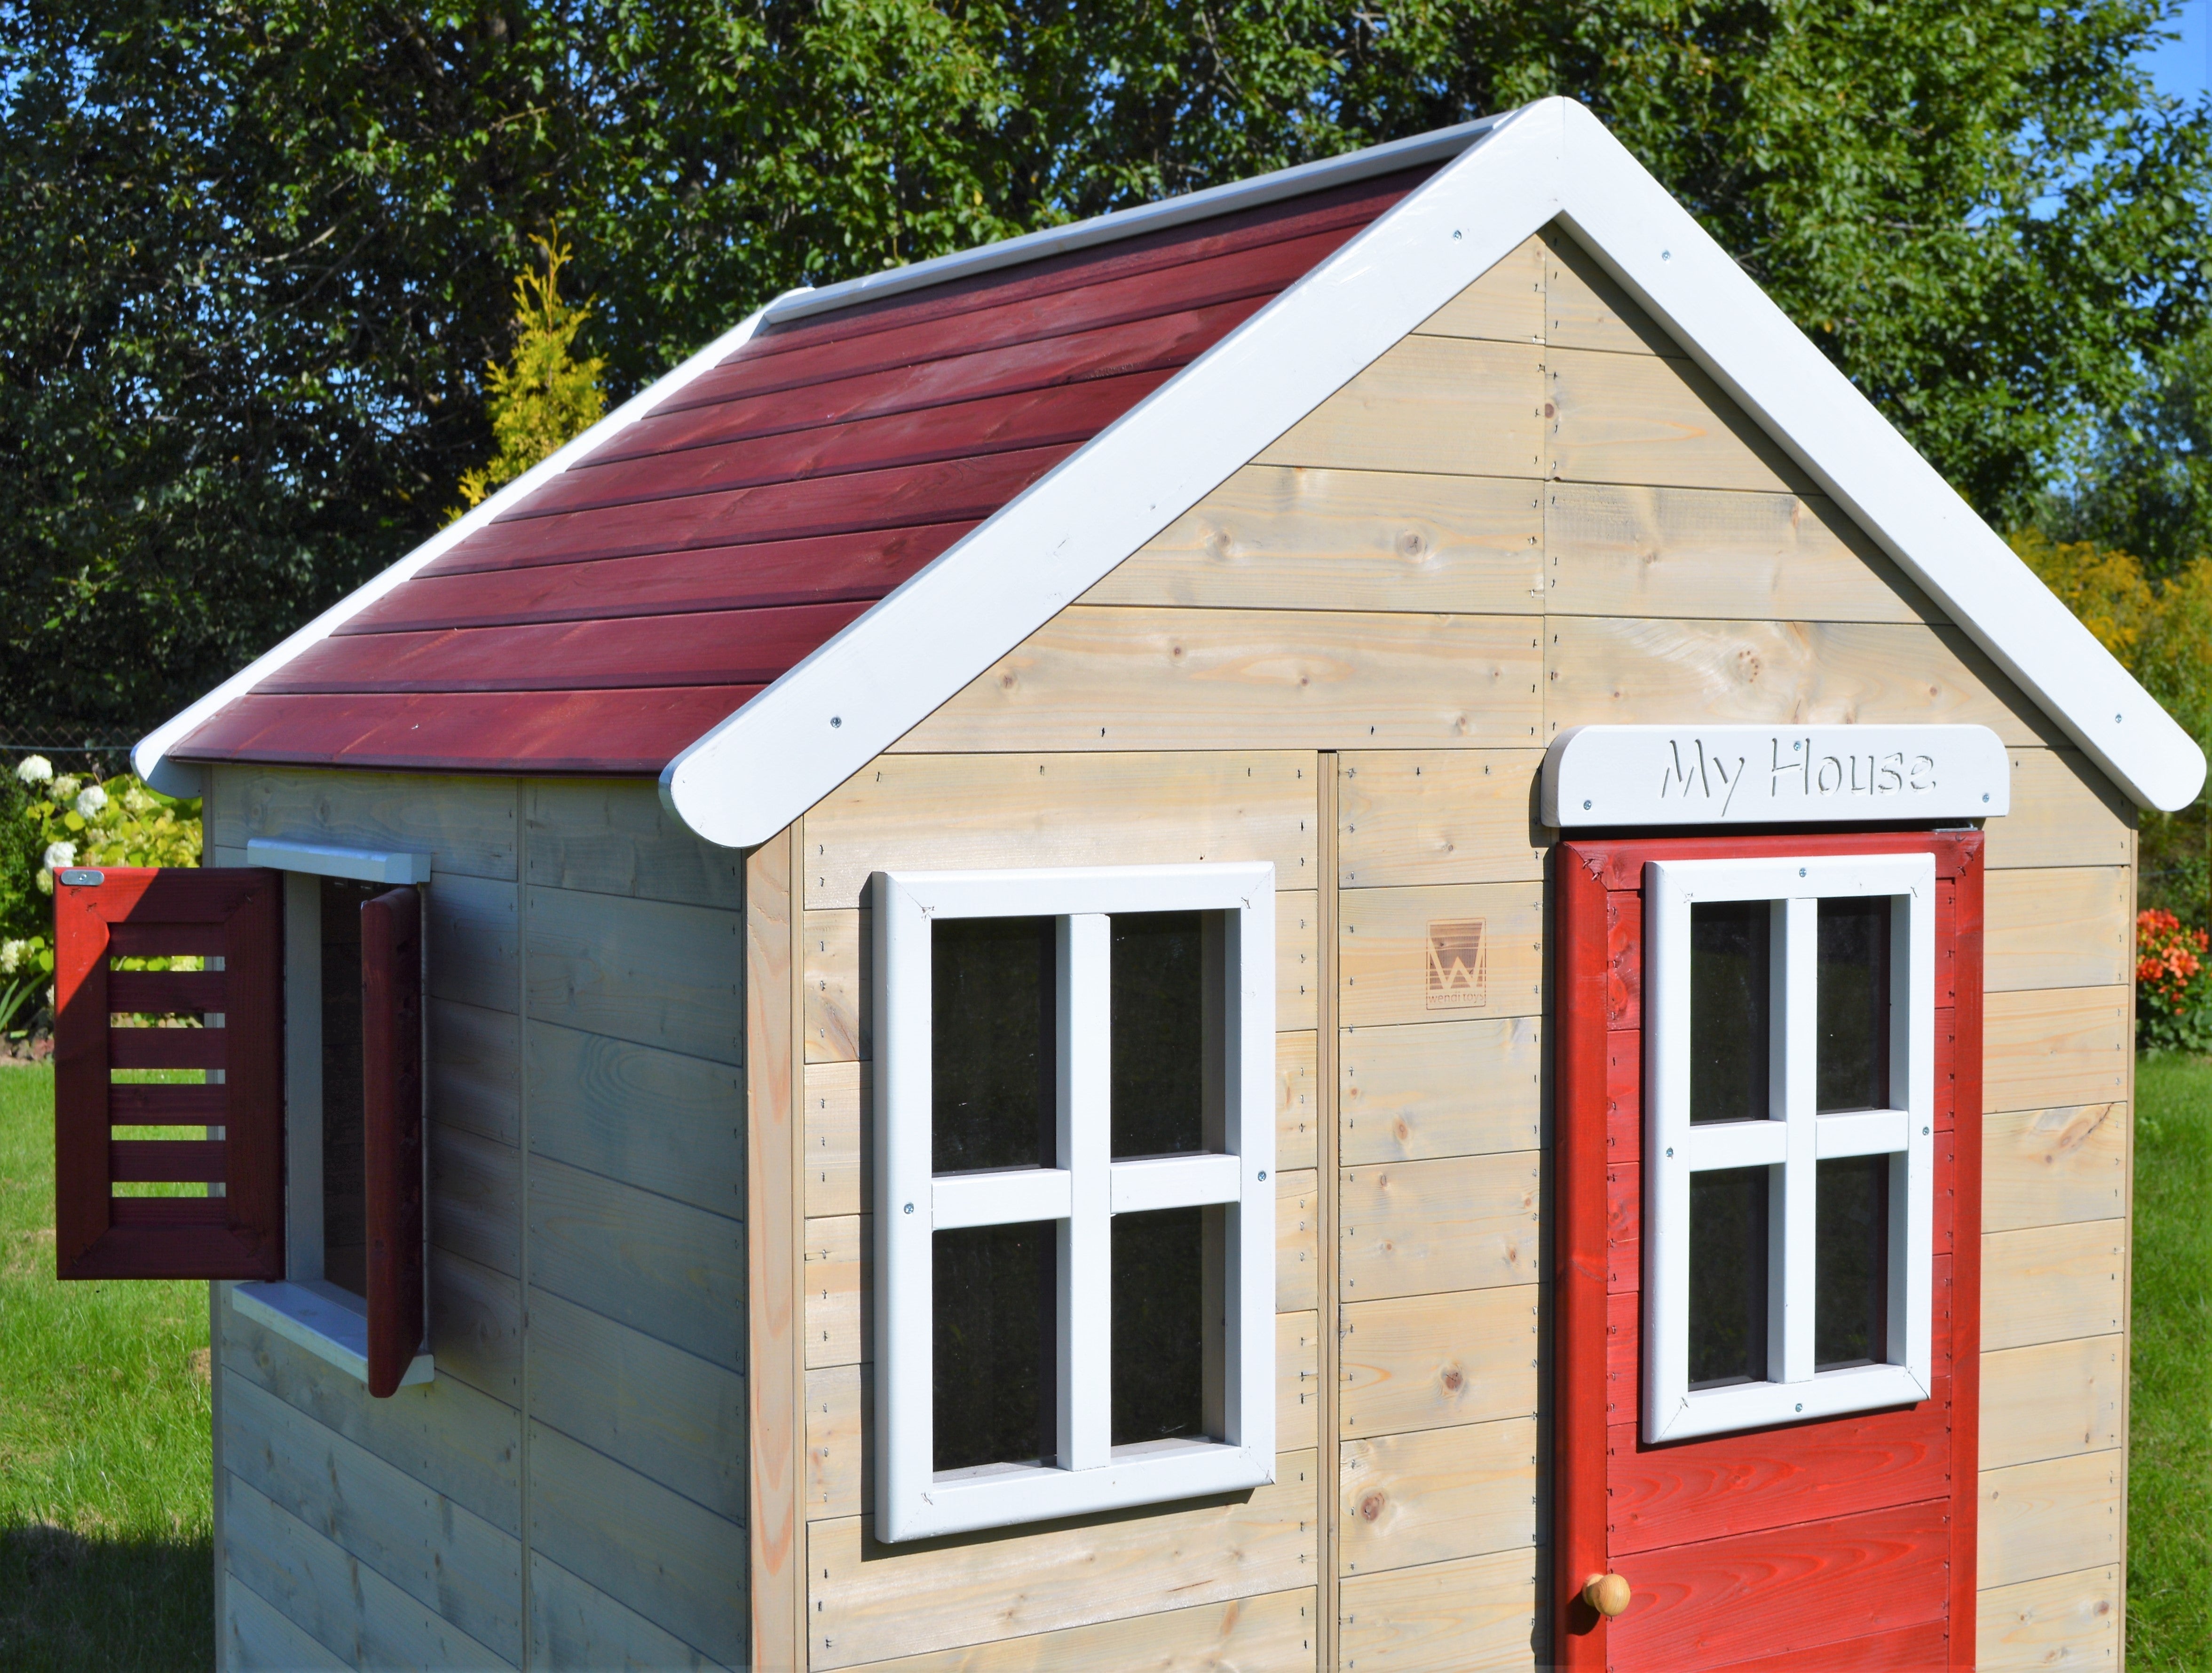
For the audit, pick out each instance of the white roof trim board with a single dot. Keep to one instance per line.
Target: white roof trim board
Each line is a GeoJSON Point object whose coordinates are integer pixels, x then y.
{"type": "Point", "coordinates": [860, 691]}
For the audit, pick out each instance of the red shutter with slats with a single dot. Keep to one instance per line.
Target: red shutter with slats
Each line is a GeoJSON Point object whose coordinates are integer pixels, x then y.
{"type": "Point", "coordinates": [234, 917]}
{"type": "Point", "coordinates": [392, 1110]}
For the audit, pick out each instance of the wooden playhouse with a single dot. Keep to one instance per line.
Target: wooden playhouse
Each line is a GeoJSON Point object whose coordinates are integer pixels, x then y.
{"type": "Point", "coordinates": [1336, 925]}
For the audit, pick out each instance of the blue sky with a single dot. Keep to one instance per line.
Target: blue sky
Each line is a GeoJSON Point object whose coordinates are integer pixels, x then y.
{"type": "Point", "coordinates": [2185, 66]}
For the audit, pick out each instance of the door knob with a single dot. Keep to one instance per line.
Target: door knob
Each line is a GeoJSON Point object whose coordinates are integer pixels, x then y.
{"type": "Point", "coordinates": [1606, 1593]}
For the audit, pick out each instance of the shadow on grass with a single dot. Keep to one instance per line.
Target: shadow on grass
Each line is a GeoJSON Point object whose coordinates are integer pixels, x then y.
{"type": "Point", "coordinates": [68, 1602]}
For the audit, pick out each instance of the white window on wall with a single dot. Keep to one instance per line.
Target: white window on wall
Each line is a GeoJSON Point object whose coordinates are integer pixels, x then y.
{"type": "Point", "coordinates": [1790, 1042]}
{"type": "Point", "coordinates": [1074, 1222]}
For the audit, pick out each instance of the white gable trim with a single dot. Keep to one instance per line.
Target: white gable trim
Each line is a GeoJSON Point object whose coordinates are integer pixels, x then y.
{"type": "Point", "coordinates": [858, 693]}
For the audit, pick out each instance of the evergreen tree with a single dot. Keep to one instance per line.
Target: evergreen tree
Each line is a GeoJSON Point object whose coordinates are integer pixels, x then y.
{"type": "Point", "coordinates": [543, 397]}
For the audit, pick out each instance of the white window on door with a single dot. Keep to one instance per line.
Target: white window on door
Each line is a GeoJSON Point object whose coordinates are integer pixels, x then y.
{"type": "Point", "coordinates": [1074, 1222]}
{"type": "Point", "coordinates": [1789, 1074]}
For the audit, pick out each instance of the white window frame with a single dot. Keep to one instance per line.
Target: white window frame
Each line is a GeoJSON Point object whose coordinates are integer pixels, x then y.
{"type": "Point", "coordinates": [1791, 1143]}
{"type": "Point", "coordinates": [303, 1307]}
{"type": "Point", "coordinates": [913, 1500]}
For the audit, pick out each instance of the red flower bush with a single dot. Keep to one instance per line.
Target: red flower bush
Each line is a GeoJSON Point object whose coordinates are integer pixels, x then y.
{"type": "Point", "coordinates": [2173, 1008]}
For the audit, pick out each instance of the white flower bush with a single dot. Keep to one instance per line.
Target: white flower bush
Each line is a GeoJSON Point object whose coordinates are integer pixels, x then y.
{"type": "Point", "coordinates": [11, 955]}
{"type": "Point", "coordinates": [90, 801]}
{"type": "Point", "coordinates": [34, 769]}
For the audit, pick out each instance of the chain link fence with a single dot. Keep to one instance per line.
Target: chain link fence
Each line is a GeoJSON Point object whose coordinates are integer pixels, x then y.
{"type": "Point", "coordinates": [79, 749]}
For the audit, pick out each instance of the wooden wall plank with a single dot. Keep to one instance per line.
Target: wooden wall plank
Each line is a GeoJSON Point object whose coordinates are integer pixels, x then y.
{"type": "Point", "coordinates": [346, 1606]}
{"type": "Point", "coordinates": [1438, 816]}
{"type": "Point", "coordinates": [1384, 953]}
{"type": "Point", "coordinates": [1708, 553]}
{"type": "Point", "coordinates": [1620, 670]}
{"type": "Point", "coordinates": [1507, 303]}
{"type": "Point", "coordinates": [1297, 1380]}
{"type": "Point", "coordinates": [874, 1602]}
{"type": "Point", "coordinates": [2051, 1283]}
{"type": "Point", "coordinates": [2052, 1399]}
{"type": "Point", "coordinates": [1416, 1091]}
{"type": "Point", "coordinates": [2047, 1167]}
{"type": "Point", "coordinates": [574, 1624]}
{"type": "Point", "coordinates": [2056, 1047]}
{"type": "Point", "coordinates": [663, 1267]}
{"type": "Point", "coordinates": [476, 1197]}
{"type": "Point", "coordinates": [654, 1119]}
{"type": "Point", "coordinates": [1426, 1228]}
{"type": "Point", "coordinates": [256, 1637]}
{"type": "Point", "coordinates": [448, 1559]}
{"type": "Point", "coordinates": [676, 1419]}
{"type": "Point", "coordinates": [475, 1325]}
{"type": "Point", "coordinates": [2044, 1518]}
{"type": "Point", "coordinates": [1274, 1630]}
{"type": "Point", "coordinates": [928, 812]}
{"type": "Point", "coordinates": [1471, 1614]}
{"type": "Point", "coordinates": [677, 1564]}
{"type": "Point", "coordinates": [470, 932]}
{"type": "Point", "coordinates": [1297, 1240]}
{"type": "Point", "coordinates": [466, 825]}
{"type": "Point", "coordinates": [2059, 926]}
{"type": "Point", "coordinates": [2067, 1621]}
{"type": "Point", "coordinates": [1649, 419]}
{"type": "Point", "coordinates": [613, 836]}
{"type": "Point", "coordinates": [1585, 309]}
{"type": "Point", "coordinates": [1119, 677]}
{"type": "Point", "coordinates": [472, 1070]}
{"type": "Point", "coordinates": [1298, 1094]}
{"type": "Point", "coordinates": [1436, 1494]}
{"type": "Point", "coordinates": [1276, 537]}
{"type": "Point", "coordinates": [1450, 406]}
{"type": "Point", "coordinates": [838, 1256]}
{"type": "Point", "coordinates": [661, 974]}
{"type": "Point", "coordinates": [443, 1432]}
{"type": "Point", "coordinates": [1434, 1361]}
{"type": "Point", "coordinates": [2064, 812]}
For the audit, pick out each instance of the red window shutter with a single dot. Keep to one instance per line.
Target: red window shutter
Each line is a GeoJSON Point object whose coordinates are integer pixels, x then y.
{"type": "Point", "coordinates": [391, 1112]}
{"type": "Point", "coordinates": [231, 914]}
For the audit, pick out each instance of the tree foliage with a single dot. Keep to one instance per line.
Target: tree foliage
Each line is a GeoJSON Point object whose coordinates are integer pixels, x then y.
{"type": "Point", "coordinates": [543, 396]}
{"type": "Point", "coordinates": [260, 256]}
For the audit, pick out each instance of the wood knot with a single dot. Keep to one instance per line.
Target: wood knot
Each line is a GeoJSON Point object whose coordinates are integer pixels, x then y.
{"type": "Point", "coordinates": [1372, 1506]}
{"type": "Point", "coordinates": [1455, 1380]}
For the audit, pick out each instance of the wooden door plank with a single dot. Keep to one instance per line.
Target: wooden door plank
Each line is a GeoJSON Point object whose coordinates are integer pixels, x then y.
{"type": "Point", "coordinates": [1431, 404]}
{"type": "Point", "coordinates": [1716, 554]}
{"type": "Point", "coordinates": [2057, 1046]}
{"type": "Point", "coordinates": [2053, 1283]}
{"type": "Point", "coordinates": [1649, 419]}
{"type": "Point", "coordinates": [2064, 812]}
{"type": "Point", "coordinates": [614, 837]}
{"type": "Point", "coordinates": [1438, 816]}
{"type": "Point", "coordinates": [838, 1258]}
{"type": "Point", "coordinates": [1426, 1228]}
{"type": "Point", "coordinates": [1122, 677]}
{"type": "Point", "coordinates": [2052, 1399]}
{"type": "Point", "coordinates": [1279, 538]}
{"type": "Point", "coordinates": [1437, 1361]}
{"type": "Point", "coordinates": [2071, 1621]}
{"type": "Point", "coordinates": [1436, 1494]}
{"type": "Point", "coordinates": [929, 812]}
{"type": "Point", "coordinates": [2051, 1517]}
{"type": "Point", "coordinates": [1471, 1614]}
{"type": "Point", "coordinates": [1417, 1092]}
{"type": "Point", "coordinates": [875, 1601]}
{"type": "Point", "coordinates": [586, 1090]}
{"type": "Point", "coordinates": [1406, 955]}
{"type": "Point", "coordinates": [1507, 303]}
{"type": "Point", "coordinates": [574, 1624]}
{"type": "Point", "coordinates": [1627, 671]}
{"type": "Point", "coordinates": [1928, 1644]}
{"type": "Point", "coordinates": [649, 972]}
{"type": "Point", "coordinates": [2048, 1167]}
{"type": "Point", "coordinates": [2060, 927]}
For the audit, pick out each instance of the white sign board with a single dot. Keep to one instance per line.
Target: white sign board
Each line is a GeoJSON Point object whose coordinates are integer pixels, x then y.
{"type": "Point", "coordinates": [1756, 774]}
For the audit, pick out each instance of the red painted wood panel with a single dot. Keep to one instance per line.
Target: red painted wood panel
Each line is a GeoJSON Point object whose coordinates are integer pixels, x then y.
{"type": "Point", "coordinates": [1624, 962]}
{"type": "Point", "coordinates": [392, 1126]}
{"type": "Point", "coordinates": [209, 1213]}
{"type": "Point", "coordinates": [168, 1048]}
{"type": "Point", "coordinates": [166, 1161]}
{"type": "Point", "coordinates": [141, 1103]}
{"type": "Point", "coordinates": [1964, 1334]}
{"type": "Point", "coordinates": [1624, 1096]}
{"type": "Point", "coordinates": [155, 993]}
{"type": "Point", "coordinates": [1786, 1592]}
{"type": "Point", "coordinates": [726, 647]}
{"type": "Point", "coordinates": [548, 731]}
{"type": "Point", "coordinates": [1905, 1651]}
{"type": "Point", "coordinates": [1621, 863]}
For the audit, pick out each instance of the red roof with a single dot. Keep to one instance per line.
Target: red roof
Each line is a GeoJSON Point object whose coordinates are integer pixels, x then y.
{"type": "Point", "coordinates": [620, 611]}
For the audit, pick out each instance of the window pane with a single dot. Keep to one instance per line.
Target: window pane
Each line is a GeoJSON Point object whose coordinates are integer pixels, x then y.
{"type": "Point", "coordinates": [996, 1349]}
{"type": "Point", "coordinates": [1854, 1003]}
{"type": "Point", "coordinates": [1159, 1033]}
{"type": "Point", "coordinates": [1727, 1276]}
{"type": "Point", "coordinates": [345, 1148]}
{"type": "Point", "coordinates": [1159, 1325]}
{"type": "Point", "coordinates": [991, 1044]}
{"type": "Point", "coordinates": [1731, 996]}
{"type": "Point", "coordinates": [1850, 1268]}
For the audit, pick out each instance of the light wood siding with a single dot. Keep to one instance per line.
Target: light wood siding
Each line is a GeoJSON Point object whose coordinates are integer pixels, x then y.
{"type": "Point", "coordinates": [580, 1481]}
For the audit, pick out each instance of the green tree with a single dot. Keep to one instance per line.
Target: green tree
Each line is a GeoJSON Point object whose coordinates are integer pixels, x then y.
{"type": "Point", "coordinates": [2144, 483]}
{"type": "Point", "coordinates": [542, 396]}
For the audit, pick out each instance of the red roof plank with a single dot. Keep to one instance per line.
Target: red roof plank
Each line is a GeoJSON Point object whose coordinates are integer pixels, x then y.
{"type": "Point", "coordinates": [820, 570]}
{"type": "Point", "coordinates": [633, 732]}
{"type": "Point", "coordinates": [722, 647]}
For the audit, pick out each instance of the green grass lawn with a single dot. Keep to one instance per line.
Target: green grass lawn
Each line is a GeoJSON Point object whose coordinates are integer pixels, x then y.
{"type": "Point", "coordinates": [2170, 1421]}
{"type": "Point", "coordinates": [104, 1513]}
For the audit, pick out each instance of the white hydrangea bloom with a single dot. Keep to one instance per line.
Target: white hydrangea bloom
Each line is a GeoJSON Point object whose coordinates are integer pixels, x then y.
{"type": "Point", "coordinates": [137, 801]}
{"type": "Point", "coordinates": [45, 882]}
{"type": "Point", "coordinates": [34, 769]}
{"type": "Point", "coordinates": [11, 955]}
{"type": "Point", "coordinates": [60, 853]}
{"type": "Point", "coordinates": [65, 787]}
{"type": "Point", "coordinates": [90, 801]}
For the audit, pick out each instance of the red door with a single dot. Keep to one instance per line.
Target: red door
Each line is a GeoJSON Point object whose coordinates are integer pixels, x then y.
{"type": "Point", "coordinates": [1766, 1539]}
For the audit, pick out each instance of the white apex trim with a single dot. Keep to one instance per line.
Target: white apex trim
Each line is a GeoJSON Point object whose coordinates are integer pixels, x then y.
{"type": "Point", "coordinates": [856, 694]}
{"type": "Point", "coordinates": [150, 757]}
